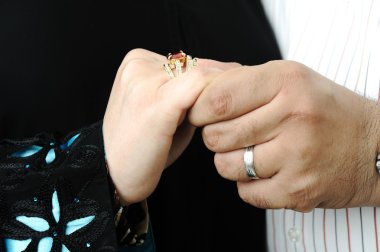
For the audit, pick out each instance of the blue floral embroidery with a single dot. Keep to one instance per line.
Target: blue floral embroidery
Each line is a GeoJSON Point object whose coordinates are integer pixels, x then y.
{"type": "Point", "coordinates": [27, 152]}
{"type": "Point", "coordinates": [66, 145]}
{"type": "Point", "coordinates": [50, 157]}
{"type": "Point", "coordinates": [41, 225]}
{"type": "Point", "coordinates": [36, 157]}
{"type": "Point", "coordinates": [54, 220]}
{"type": "Point", "coordinates": [56, 216]}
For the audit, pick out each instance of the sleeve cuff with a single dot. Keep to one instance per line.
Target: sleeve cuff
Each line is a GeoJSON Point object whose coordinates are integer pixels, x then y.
{"type": "Point", "coordinates": [54, 193]}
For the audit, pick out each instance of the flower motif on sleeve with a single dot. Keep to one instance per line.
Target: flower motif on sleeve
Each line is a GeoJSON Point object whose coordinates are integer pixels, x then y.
{"type": "Point", "coordinates": [36, 155]}
{"type": "Point", "coordinates": [54, 221]}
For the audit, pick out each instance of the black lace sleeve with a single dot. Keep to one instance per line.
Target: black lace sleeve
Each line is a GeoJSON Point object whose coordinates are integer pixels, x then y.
{"type": "Point", "coordinates": [55, 194]}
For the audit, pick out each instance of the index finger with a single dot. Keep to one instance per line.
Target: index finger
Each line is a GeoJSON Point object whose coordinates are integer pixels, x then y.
{"type": "Point", "coordinates": [208, 63]}
{"type": "Point", "coordinates": [234, 93]}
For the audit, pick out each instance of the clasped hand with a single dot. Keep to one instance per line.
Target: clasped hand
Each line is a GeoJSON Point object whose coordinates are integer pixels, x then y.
{"type": "Point", "coordinates": [315, 142]}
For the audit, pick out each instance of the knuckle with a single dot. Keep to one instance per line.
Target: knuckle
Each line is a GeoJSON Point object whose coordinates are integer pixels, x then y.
{"type": "Point", "coordinates": [211, 138]}
{"type": "Point", "coordinates": [234, 64]}
{"type": "Point", "coordinates": [275, 63]}
{"type": "Point", "coordinates": [227, 169]}
{"type": "Point", "coordinates": [131, 68]}
{"type": "Point", "coordinates": [303, 206]}
{"type": "Point", "coordinates": [304, 209]}
{"type": "Point", "coordinates": [244, 196]}
{"type": "Point", "coordinates": [134, 53]}
{"type": "Point", "coordinates": [259, 201]}
{"type": "Point", "coordinates": [134, 64]}
{"type": "Point", "coordinates": [220, 104]}
{"type": "Point", "coordinates": [301, 196]}
{"type": "Point", "coordinates": [292, 71]}
{"type": "Point", "coordinates": [309, 115]}
{"type": "Point", "coordinates": [221, 166]}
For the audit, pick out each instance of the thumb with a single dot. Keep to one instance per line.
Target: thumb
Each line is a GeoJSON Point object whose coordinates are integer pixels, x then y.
{"type": "Point", "coordinates": [183, 91]}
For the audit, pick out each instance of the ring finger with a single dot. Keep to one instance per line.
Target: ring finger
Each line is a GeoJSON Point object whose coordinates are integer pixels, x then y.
{"type": "Point", "coordinates": [266, 162]}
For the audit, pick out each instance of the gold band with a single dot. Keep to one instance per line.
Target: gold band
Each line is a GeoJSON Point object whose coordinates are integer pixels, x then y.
{"type": "Point", "coordinates": [169, 70]}
{"type": "Point", "coordinates": [180, 62]}
{"type": "Point", "coordinates": [173, 58]}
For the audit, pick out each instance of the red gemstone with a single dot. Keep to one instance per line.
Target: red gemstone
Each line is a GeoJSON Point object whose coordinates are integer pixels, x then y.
{"type": "Point", "coordinates": [177, 55]}
{"type": "Point", "coordinates": [173, 57]}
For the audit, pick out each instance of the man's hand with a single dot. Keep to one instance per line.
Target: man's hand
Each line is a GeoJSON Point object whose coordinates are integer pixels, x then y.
{"type": "Point", "coordinates": [315, 141]}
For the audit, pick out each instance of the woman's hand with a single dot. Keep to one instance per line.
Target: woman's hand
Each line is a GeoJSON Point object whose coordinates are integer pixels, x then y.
{"type": "Point", "coordinates": [145, 127]}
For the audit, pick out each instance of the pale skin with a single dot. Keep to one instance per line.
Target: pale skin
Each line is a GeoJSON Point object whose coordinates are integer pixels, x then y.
{"type": "Point", "coordinates": [315, 141]}
{"type": "Point", "coordinates": [145, 127]}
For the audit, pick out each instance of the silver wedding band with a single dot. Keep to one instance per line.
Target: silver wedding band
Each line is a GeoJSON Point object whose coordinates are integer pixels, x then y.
{"type": "Point", "coordinates": [248, 163]}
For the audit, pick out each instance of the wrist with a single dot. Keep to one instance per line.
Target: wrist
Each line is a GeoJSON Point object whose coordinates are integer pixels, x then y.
{"type": "Point", "coordinates": [372, 138]}
{"type": "Point", "coordinates": [375, 124]}
{"type": "Point", "coordinates": [110, 164]}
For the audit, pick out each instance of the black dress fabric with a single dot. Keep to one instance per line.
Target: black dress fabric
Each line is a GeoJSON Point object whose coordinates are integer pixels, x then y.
{"type": "Point", "coordinates": [58, 60]}
{"type": "Point", "coordinates": [59, 181]}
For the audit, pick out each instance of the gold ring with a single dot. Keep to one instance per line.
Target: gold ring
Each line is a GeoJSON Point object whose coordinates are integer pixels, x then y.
{"type": "Point", "coordinates": [179, 57]}
{"type": "Point", "coordinates": [180, 62]}
{"type": "Point", "coordinates": [169, 70]}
